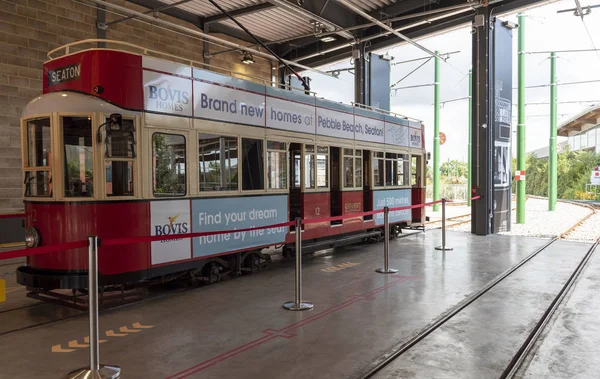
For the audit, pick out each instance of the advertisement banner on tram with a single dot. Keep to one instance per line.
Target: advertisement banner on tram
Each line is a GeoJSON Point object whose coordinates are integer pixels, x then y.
{"type": "Point", "coordinates": [232, 213]}
{"type": "Point", "coordinates": [392, 199]}
{"type": "Point", "coordinates": [168, 218]}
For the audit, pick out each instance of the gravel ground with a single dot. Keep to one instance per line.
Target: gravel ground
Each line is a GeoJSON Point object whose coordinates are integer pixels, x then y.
{"type": "Point", "coordinates": [589, 231]}
{"type": "Point", "coordinates": [539, 222]}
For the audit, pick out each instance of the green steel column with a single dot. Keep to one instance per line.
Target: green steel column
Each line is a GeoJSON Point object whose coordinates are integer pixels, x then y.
{"type": "Point", "coordinates": [552, 172]}
{"type": "Point", "coordinates": [521, 136]}
{"type": "Point", "coordinates": [469, 182]}
{"type": "Point", "coordinates": [436, 133]}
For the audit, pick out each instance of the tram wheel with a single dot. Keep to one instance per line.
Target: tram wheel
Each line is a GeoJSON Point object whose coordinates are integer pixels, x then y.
{"type": "Point", "coordinates": [214, 273]}
{"type": "Point", "coordinates": [252, 263]}
{"type": "Point", "coordinates": [287, 252]}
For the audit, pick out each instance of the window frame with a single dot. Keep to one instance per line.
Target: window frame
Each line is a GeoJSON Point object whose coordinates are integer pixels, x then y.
{"type": "Point", "coordinates": [177, 132]}
{"type": "Point", "coordinates": [354, 157]}
{"type": "Point", "coordinates": [383, 156]}
{"type": "Point", "coordinates": [241, 168]}
{"type": "Point", "coordinates": [287, 163]}
{"type": "Point", "coordinates": [102, 158]}
{"type": "Point", "coordinates": [196, 180]}
{"type": "Point", "coordinates": [52, 162]}
{"type": "Point", "coordinates": [59, 175]}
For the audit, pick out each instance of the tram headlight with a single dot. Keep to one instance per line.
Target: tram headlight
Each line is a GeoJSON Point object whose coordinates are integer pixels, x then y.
{"type": "Point", "coordinates": [32, 237]}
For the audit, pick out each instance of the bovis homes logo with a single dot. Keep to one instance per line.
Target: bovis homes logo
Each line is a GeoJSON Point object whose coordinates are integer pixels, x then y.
{"type": "Point", "coordinates": [172, 227]}
{"type": "Point", "coordinates": [167, 99]}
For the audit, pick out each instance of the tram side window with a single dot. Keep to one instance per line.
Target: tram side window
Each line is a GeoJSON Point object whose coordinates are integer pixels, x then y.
{"type": "Point", "coordinates": [397, 169]}
{"type": "Point", "coordinates": [378, 168]}
{"type": "Point", "coordinates": [78, 157]}
{"type": "Point", "coordinates": [118, 164]}
{"type": "Point", "coordinates": [38, 175]}
{"type": "Point", "coordinates": [252, 164]}
{"type": "Point", "coordinates": [217, 163]}
{"type": "Point", "coordinates": [322, 166]}
{"type": "Point", "coordinates": [309, 166]}
{"type": "Point", "coordinates": [168, 161]}
{"type": "Point", "coordinates": [276, 165]}
{"type": "Point", "coordinates": [352, 168]}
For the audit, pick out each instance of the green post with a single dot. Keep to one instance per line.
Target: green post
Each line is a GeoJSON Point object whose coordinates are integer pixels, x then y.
{"type": "Point", "coordinates": [469, 182]}
{"type": "Point", "coordinates": [436, 133]}
{"type": "Point", "coordinates": [552, 173]}
{"type": "Point", "coordinates": [521, 136]}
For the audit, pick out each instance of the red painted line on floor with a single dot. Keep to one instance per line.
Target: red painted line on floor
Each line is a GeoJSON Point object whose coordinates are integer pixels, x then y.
{"type": "Point", "coordinates": [271, 334]}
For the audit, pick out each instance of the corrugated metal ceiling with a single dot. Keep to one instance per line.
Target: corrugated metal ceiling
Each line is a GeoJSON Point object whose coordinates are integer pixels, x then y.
{"type": "Point", "coordinates": [204, 8]}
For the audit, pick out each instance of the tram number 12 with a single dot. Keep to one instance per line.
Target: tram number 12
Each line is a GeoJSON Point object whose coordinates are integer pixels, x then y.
{"type": "Point", "coordinates": [317, 211]}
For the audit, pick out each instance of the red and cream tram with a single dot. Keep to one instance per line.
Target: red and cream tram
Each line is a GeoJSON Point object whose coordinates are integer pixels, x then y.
{"type": "Point", "coordinates": [127, 145]}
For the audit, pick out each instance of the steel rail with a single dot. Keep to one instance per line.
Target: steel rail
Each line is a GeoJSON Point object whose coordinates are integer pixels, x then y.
{"type": "Point", "coordinates": [404, 347]}
{"type": "Point", "coordinates": [526, 347]}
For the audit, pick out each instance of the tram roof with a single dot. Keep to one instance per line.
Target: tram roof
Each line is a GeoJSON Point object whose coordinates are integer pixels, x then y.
{"type": "Point", "coordinates": [69, 102]}
{"type": "Point", "coordinates": [297, 29]}
{"type": "Point", "coordinates": [581, 122]}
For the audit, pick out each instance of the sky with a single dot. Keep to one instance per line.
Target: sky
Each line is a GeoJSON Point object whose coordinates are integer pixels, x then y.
{"type": "Point", "coordinates": [546, 30]}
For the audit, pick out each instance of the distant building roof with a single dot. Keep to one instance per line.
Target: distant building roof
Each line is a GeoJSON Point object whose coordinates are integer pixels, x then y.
{"type": "Point", "coordinates": [544, 152]}
{"type": "Point", "coordinates": [585, 120]}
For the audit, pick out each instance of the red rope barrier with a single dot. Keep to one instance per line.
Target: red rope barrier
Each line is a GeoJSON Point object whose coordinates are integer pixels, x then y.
{"type": "Point", "coordinates": [12, 215]}
{"type": "Point", "coordinates": [131, 240]}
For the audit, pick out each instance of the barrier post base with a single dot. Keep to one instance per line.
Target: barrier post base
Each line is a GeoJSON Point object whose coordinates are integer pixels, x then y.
{"type": "Point", "coordinates": [303, 306]}
{"type": "Point", "coordinates": [444, 248]}
{"type": "Point", "coordinates": [388, 271]}
{"type": "Point", "coordinates": [105, 372]}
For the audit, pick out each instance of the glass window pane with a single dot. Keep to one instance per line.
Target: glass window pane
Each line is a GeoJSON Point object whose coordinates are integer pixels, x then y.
{"type": "Point", "coordinates": [217, 163]}
{"type": "Point", "coordinates": [391, 172]}
{"type": "Point", "coordinates": [378, 169]}
{"type": "Point", "coordinates": [391, 155]}
{"type": "Point", "coordinates": [358, 172]}
{"type": "Point", "coordinates": [348, 152]}
{"type": "Point", "coordinates": [358, 153]}
{"type": "Point", "coordinates": [322, 170]}
{"type": "Point", "coordinates": [309, 148]}
{"type": "Point", "coordinates": [168, 153]}
{"type": "Point", "coordinates": [274, 145]}
{"type": "Point", "coordinates": [348, 172]}
{"type": "Point", "coordinates": [309, 171]}
{"type": "Point", "coordinates": [119, 178]}
{"type": "Point", "coordinates": [77, 137]}
{"type": "Point", "coordinates": [119, 143]}
{"type": "Point", "coordinates": [38, 183]}
{"type": "Point", "coordinates": [277, 169]}
{"type": "Point", "coordinates": [38, 143]}
{"type": "Point", "coordinates": [323, 149]}
{"type": "Point", "coordinates": [414, 173]}
{"type": "Point", "coordinates": [252, 165]}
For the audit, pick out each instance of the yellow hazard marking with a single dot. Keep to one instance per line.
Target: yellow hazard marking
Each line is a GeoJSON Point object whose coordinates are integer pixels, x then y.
{"type": "Point", "coordinates": [339, 267]}
{"type": "Point", "coordinates": [2, 290]}
{"type": "Point", "coordinates": [59, 349]}
{"type": "Point", "coordinates": [74, 344]}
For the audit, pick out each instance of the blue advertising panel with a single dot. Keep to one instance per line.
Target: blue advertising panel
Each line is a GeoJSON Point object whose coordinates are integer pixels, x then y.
{"type": "Point", "coordinates": [209, 215]}
{"type": "Point", "coordinates": [393, 199]}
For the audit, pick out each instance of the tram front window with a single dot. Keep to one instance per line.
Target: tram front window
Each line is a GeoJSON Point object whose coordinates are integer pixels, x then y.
{"type": "Point", "coordinates": [78, 157]}
{"type": "Point", "coordinates": [38, 177]}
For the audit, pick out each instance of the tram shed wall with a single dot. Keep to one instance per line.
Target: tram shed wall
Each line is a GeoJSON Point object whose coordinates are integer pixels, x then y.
{"type": "Point", "coordinates": [31, 28]}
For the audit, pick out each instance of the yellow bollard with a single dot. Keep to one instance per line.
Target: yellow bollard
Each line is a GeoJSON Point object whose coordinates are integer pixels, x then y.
{"type": "Point", "coordinates": [2, 290]}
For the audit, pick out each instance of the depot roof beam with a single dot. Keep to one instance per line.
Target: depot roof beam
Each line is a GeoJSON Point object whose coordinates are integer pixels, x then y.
{"type": "Point", "coordinates": [388, 28]}
{"type": "Point", "coordinates": [238, 12]}
{"type": "Point", "coordinates": [155, 10]}
{"type": "Point", "coordinates": [201, 35]}
{"type": "Point", "coordinates": [191, 18]}
{"type": "Point", "coordinates": [312, 15]}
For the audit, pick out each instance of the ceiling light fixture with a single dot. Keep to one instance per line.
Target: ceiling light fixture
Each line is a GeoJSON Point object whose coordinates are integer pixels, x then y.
{"type": "Point", "coordinates": [247, 59]}
{"type": "Point", "coordinates": [327, 39]}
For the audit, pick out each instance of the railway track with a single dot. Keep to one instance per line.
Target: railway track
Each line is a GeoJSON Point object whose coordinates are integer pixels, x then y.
{"type": "Point", "coordinates": [524, 350]}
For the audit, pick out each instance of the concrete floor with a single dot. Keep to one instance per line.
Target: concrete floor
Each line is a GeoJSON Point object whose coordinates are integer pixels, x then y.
{"type": "Point", "coordinates": [238, 328]}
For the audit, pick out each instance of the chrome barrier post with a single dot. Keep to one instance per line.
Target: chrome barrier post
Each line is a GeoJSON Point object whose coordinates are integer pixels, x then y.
{"type": "Point", "coordinates": [96, 370]}
{"type": "Point", "coordinates": [386, 244]}
{"type": "Point", "coordinates": [443, 247]}
{"type": "Point", "coordinates": [298, 304]}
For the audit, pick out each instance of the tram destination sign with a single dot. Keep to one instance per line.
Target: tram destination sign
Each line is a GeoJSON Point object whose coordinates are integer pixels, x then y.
{"type": "Point", "coordinates": [64, 74]}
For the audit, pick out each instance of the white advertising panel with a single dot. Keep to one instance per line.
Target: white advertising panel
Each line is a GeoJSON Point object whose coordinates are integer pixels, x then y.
{"type": "Point", "coordinates": [166, 93]}
{"type": "Point", "coordinates": [595, 178]}
{"type": "Point", "coordinates": [168, 218]}
{"type": "Point", "coordinates": [415, 137]}
{"type": "Point", "coordinates": [166, 66]}
{"type": "Point", "coordinates": [335, 124]}
{"type": "Point", "coordinates": [226, 104]}
{"type": "Point", "coordinates": [290, 115]}
{"type": "Point", "coordinates": [396, 134]}
{"type": "Point", "coordinates": [368, 129]}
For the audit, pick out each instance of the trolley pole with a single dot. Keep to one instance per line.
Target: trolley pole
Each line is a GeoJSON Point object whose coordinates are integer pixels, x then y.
{"type": "Point", "coordinates": [469, 180]}
{"type": "Point", "coordinates": [443, 247]}
{"type": "Point", "coordinates": [521, 136]}
{"type": "Point", "coordinates": [298, 304]}
{"type": "Point", "coordinates": [96, 370]}
{"type": "Point", "coordinates": [386, 244]}
{"type": "Point", "coordinates": [436, 133]}
{"type": "Point", "coordinates": [552, 170]}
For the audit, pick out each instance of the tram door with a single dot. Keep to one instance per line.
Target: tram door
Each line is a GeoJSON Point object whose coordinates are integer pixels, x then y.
{"type": "Point", "coordinates": [367, 190]}
{"type": "Point", "coordinates": [295, 171]}
{"type": "Point", "coordinates": [335, 189]}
